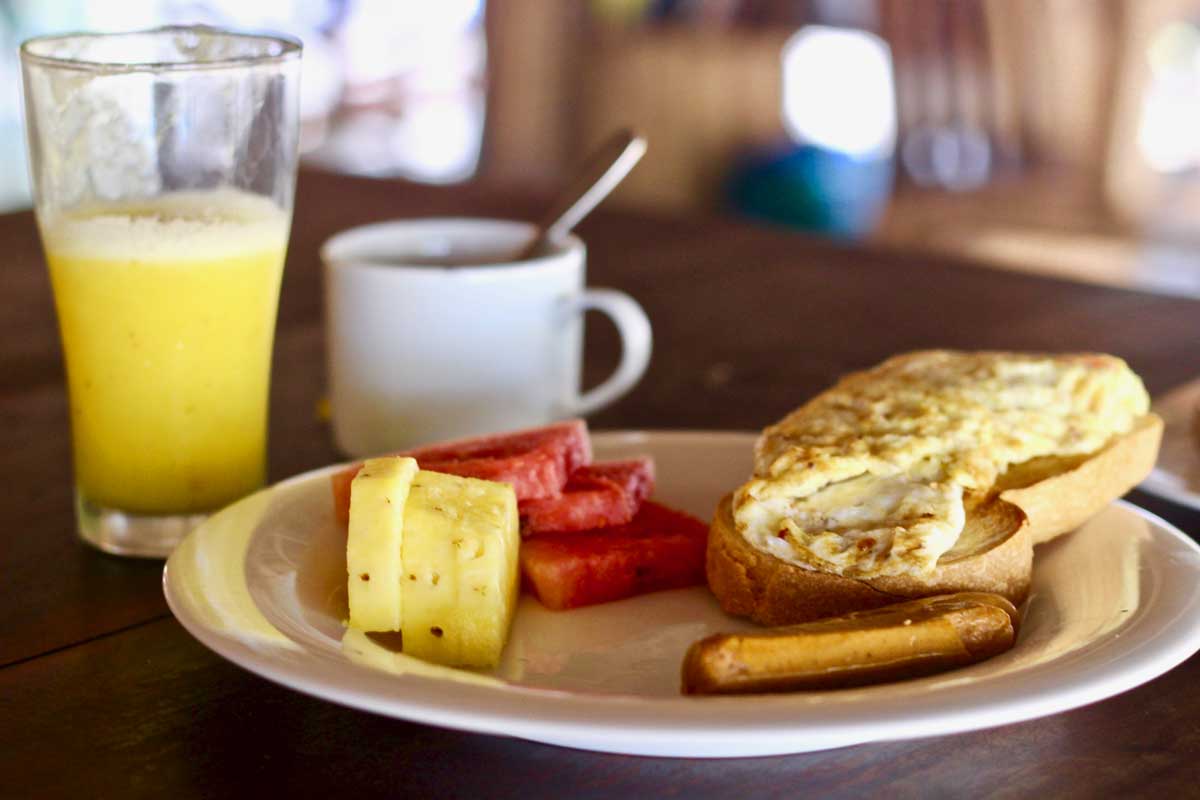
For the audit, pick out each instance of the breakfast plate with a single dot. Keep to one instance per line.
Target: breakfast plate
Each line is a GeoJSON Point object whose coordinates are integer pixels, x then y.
{"type": "Point", "coordinates": [262, 583]}
{"type": "Point", "coordinates": [1176, 476]}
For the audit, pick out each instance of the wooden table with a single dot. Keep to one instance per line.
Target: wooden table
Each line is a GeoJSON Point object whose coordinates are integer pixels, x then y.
{"type": "Point", "coordinates": [102, 693]}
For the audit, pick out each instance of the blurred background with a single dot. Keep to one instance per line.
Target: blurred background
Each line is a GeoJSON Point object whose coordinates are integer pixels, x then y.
{"type": "Point", "coordinates": [1058, 136]}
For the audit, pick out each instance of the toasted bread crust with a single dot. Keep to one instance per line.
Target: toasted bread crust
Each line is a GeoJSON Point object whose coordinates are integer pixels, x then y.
{"type": "Point", "coordinates": [1065, 499]}
{"type": "Point", "coordinates": [750, 583]}
{"type": "Point", "coordinates": [1033, 506]}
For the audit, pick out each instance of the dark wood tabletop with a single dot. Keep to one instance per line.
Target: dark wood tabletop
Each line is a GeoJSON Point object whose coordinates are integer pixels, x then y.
{"type": "Point", "coordinates": [103, 694]}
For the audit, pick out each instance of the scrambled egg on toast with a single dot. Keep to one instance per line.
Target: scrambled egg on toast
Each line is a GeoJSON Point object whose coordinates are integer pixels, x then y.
{"type": "Point", "coordinates": [876, 476]}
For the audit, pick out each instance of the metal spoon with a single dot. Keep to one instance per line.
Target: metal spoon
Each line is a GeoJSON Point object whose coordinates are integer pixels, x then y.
{"type": "Point", "coordinates": [604, 169]}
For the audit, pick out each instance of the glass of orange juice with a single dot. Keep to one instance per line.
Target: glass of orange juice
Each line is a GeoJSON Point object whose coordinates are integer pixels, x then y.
{"type": "Point", "coordinates": [163, 165]}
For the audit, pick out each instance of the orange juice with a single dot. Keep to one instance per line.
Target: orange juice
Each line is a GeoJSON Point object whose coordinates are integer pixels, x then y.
{"type": "Point", "coordinates": [167, 315]}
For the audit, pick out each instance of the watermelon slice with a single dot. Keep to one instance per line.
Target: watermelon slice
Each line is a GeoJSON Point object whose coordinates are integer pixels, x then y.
{"type": "Point", "coordinates": [659, 549]}
{"type": "Point", "coordinates": [636, 476]}
{"type": "Point", "coordinates": [596, 496]}
{"type": "Point", "coordinates": [536, 462]}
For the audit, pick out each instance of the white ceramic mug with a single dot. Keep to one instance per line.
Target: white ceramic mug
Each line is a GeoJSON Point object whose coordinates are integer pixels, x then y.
{"type": "Point", "coordinates": [433, 335]}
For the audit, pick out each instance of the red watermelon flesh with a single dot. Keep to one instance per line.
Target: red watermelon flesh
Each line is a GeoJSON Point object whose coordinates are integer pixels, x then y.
{"type": "Point", "coordinates": [568, 440]}
{"type": "Point", "coordinates": [659, 549]}
{"type": "Point", "coordinates": [596, 496]}
{"type": "Point", "coordinates": [536, 462]}
{"type": "Point", "coordinates": [636, 476]}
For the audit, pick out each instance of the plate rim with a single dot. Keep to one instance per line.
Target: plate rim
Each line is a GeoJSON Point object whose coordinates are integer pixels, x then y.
{"type": "Point", "coordinates": [1165, 486]}
{"type": "Point", "coordinates": [1163, 483]}
{"type": "Point", "coordinates": [602, 722]}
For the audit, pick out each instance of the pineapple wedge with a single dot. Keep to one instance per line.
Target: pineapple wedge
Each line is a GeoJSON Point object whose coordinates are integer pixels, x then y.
{"type": "Point", "coordinates": [373, 546]}
{"type": "Point", "coordinates": [460, 582]}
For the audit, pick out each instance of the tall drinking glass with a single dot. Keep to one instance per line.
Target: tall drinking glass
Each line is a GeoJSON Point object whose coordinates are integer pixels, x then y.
{"type": "Point", "coordinates": [163, 167]}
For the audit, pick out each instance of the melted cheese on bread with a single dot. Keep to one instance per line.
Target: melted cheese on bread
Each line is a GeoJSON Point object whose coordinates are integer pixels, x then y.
{"type": "Point", "coordinates": [875, 476]}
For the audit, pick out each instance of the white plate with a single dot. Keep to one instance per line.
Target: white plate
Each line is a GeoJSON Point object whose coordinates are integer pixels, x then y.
{"type": "Point", "coordinates": [1114, 604]}
{"type": "Point", "coordinates": [1176, 476]}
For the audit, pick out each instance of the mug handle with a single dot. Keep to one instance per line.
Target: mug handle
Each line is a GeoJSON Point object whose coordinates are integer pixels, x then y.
{"type": "Point", "coordinates": [634, 327]}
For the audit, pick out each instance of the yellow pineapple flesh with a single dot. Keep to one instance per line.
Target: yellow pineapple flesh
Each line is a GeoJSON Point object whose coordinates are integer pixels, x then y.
{"type": "Point", "coordinates": [374, 543]}
{"type": "Point", "coordinates": [460, 569]}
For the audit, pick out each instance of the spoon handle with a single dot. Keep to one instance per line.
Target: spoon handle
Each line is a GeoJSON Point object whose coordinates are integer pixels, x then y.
{"type": "Point", "coordinates": [604, 169]}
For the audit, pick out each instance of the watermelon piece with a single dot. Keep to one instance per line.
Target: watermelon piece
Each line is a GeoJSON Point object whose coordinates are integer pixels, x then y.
{"type": "Point", "coordinates": [636, 476]}
{"type": "Point", "coordinates": [659, 549]}
{"type": "Point", "coordinates": [596, 496]}
{"type": "Point", "coordinates": [536, 462]}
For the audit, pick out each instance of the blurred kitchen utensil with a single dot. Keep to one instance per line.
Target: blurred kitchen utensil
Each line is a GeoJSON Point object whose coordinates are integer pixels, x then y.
{"type": "Point", "coordinates": [601, 173]}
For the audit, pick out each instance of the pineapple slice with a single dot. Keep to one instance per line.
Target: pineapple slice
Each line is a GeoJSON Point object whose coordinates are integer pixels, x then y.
{"type": "Point", "coordinates": [460, 569]}
{"type": "Point", "coordinates": [373, 546]}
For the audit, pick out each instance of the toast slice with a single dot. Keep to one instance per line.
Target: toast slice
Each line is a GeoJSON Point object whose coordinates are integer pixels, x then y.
{"type": "Point", "coordinates": [1060, 494]}
{"type": "Point", "coordinates": [1031, 503]}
